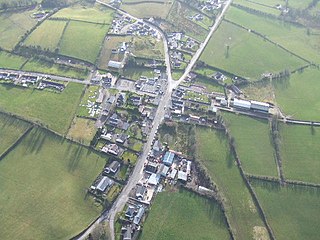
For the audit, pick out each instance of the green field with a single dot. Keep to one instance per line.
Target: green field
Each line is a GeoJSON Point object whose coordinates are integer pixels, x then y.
{"type": "Point", "coordinates": [293, 213]}
{"type": "Point", "coordinates": [230, 49]}
{"type": "Point", "coordinates": [295, 39]}
{"type": "Point", "coordinates": [55, 69]}
{"type": "Point", "coordinates": [10, 131]}
{"type": "Point", "coordinates": [148, 47]}
{"type": "Point", "coordinates": [11, 61]}
{"type": "Point", "coordinates": [47, 35]}
{"type": "Point", "coordinates": [298, 96]}
{"type": "Point", "coordinates": [148, 9]}
{"type": "Point", "coordinates": [213, 152]}
{"type": "Point", "coordinates": [211, 86]}
{"type": "Point", "coordinates": [253, 144]}
{"type": "Point", "coordinates": [300, 152]}
{"type": "Point", "coordinates": [13, 26]}
{"type": "Point", "coordinates": [136, 73]}
{"type": "Point", "coordinates": [43, 183]}
{"type": "Point", "coordinates": [55, 110]}
{"type": "Point", "coordinates": [179, 214]}
{"type": "Point", "coordinates": [97, 14]}
{"type": "Point", "coordinates": [83, 40]}
{"type": "Point", "coordinates": [267, 7]}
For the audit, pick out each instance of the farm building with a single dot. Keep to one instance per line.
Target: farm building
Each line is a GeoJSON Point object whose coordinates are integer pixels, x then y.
{"type": "Point", "coordinates": [238, 103]}
{"type": "Point", "coordinates": [260, 106]}
{"type": "Point", "coordinates": [168, 158]}
{"type": "Point", "coordinates": [173, 174]}
{"type": "Point", "coordinates": [182, 176]}
{"type": "Point", "coordinates": [114, 64]}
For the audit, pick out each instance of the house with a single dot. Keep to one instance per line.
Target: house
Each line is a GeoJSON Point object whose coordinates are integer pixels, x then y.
{"type": "Point", "coordinates": [122, 138]}
{"type": "Point", "coordinates": [130, 212]}
{"type": "Point", "coordinates": [113, 167]}
{"type": "Point", "coordinates": [104, 183]}
{"type": "Point", "coordinates": [127, 234]}
{"type": "Point", "coordinates": [139, 216]}
{"type": "Point", "coordinates": [182, 176]}
{"type": "Point", "coordinates": [163, 170]}
{"type": "Point", "coordinates": [54, 85]}
{"type": "Point", "coordinates": [107, 136]}
{"type": "Point", "coordinates": [112, 149]}
{"type": "Point", "coordinates": [114, 120]}
{"type": "Point", "coordinates": [168, 158]}
{"type": "Point", "coordinates": [173, 174]}
{"type": "Point", "coordinates": [154, 179]}
{"type": "Point", "coordinates": [151, 167]}
{"type": "Point", "coordinates": [140, 192]}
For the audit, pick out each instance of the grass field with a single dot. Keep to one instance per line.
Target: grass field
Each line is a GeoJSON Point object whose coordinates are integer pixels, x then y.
{"type": "Point", "coordinates": [260, 92]}
{"type": "Point", "coordinates": [298, 96]}
{"type": "Point", "coordinates": [96, 14]}
{"type": "Point", "coordinates": [54, 110]}
{"type": "Point", "coordinates": [293, 213]}
{"type": "Point", "coordinates": [253, 144]}
{"type": "Point", "coordinates": [148, 9]}
{"type": "Point", "coordinates": [11, 61]}
{"type": "Point", "coordinates": [287, 35]}
{"type": "Point", "coordinates": [13, 26]}
{"type": "Point", "coordinates": [43, 184]}
{"type": "Point", "coordinates": [148, 47]}
{"type": "Point", "coordinates": [210, 86]}
{"type": "Point", "coordinates": [213, 152]}
{"type": "Point", "coordinates": [55, 69]}
{"type": "Point", "coordinates": [83, 40]}
{"type": "Point", "coordinates": [136, 73]}
{"type": "Point", "coordinates": [10, 131]}
{"type": "Point", "coordinates": [230, 48]}
{"type": "Point", "coordinates": [262, 5]}
{"type": "Point", "coordinates": [82, 130]}
{"type": "Point", "coordinates": [300, 152]}
{"type": "Point", "coordinates": [179, 214]}
{"type": "Point", "coordinates": [47, 35]}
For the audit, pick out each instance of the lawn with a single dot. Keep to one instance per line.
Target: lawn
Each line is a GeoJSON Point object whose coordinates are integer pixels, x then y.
{"type": "Point", "coordinates": [298, 96]}
{"type": "Point", "coordinates": [47, 35]}
{"type": "Point", "coordinates": [54, 110]}
{"type": "Point", "coordinates": [96, 14]}
{"type": "Point", "coordinates": [82, 130]}
{"type": "Point", "coordinates": [231, 49]}
{"type": "Point", "coordinates": [55, 69]}
{"type": "Point", "coordinates": [300, 152]}
{"type": "Point", "coordinates": [11, 61]}
{"type": "Point", "coordinates": [179, 214]}
{"type": "Point", "coordinates": [43, 188]}
{"type": "Point", "coordinates": [13, 26]}
{"type": "Point", "coordinates": [11, 129]}
{"type": "Point", "coordinates": [83, 40]}
{"type": "Point", "coordinates": [293, 213]}
{"type": "Point", "coordinates": [253, 144]}
{"type": "Point", "coordinates": [136, 73]}
{"type": "Point", "coordinates": [213, 152]}
{"type": "Point", "coordinates": [295, 39]}
{"type": "Point", "coordinates": [148, 47]}
{"type": "Point", "coordinates": [148, 9]}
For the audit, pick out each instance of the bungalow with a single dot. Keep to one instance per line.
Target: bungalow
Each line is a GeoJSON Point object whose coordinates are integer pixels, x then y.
{"type": "Point", "coordinates": [151, 167]}
{"type": "Point", "coordinates": [168, 158]}
{"type": "Point", "coordinates": [122, 138]}
{"type": "Point", "coordinates": [154, 179]}
{"type": "Point", "coordinates": [127, 234]}
{"type": "Point", "coordinates": [104, 183]}
{"type": "Point", "coordinates": [113, 167]}
{"type": "Point", "coordinates": [112, 149]}
{"type": "Point", "coordinates": [140, 192]}
{"type": "Point", "coordinates": [139, 216]}
{"type": "Point", "coordinates": [131, 210]}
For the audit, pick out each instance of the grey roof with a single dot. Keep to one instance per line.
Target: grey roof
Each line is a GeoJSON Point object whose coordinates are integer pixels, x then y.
{"type": "Point", "coordinates": [114, 166]}
{"type": "Point", "coordinates": [104, 183]}
{"type": "Point", "coordinates": [139, 215]}
{"type": "Point", "coordinates": [141, 190]}
{"type": "Point", "coordinates": [182, 176]}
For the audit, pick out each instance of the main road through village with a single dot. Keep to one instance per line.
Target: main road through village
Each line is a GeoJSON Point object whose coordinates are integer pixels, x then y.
{"type": "Point", "coordinates": [172, 84]}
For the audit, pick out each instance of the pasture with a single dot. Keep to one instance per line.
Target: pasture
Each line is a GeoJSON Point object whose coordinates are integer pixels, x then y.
{"type": "Point", "coordinates": [214, 153]}
{"type": "Point", "coordinates": [262, 5]}
{"type": "Point", "coordinates": [148, 47]}
{"type": "Point", "coordinates": [11, 129]}
{"type": "Point", "coordinates": [148, 9]}
{"type": "Point", "coordinates": [253, 144]}
{"type": "Point", "coordinates": [135, 73]}
{"type": "Point", "coordinates": [55, 69]}
{"type": "Point", "coordinates": [43, 188]}
{"type": "Point", "coordinates": [210, 86]}
{"type": "Point", "coordinates": [299, 150]}
{"type": "Point", "coordinates": [179, 214]}
{"type": "Point", "coordinates": [292, 212]}
{"type": "Point", "coordinates": [231, 49]}
{"type": "Point", "coordinates": [295, 39]}
{"type": "Point", "coordinates": [83, 40]}
{"type": "Point", "coordinates": [53, 110]}
{"type": "Point", "coordinates": [47, 35]}
{"type": "Point", "coordinates": [96, 14]}
{"type": "Point", "coordinates": [11, 61]}
{"type": "Point", "coordinates": [13, 26]}
{"type": "Point", "coordinates": [298, 96]}
{"type": "Point", "coordinates": [82, 130]}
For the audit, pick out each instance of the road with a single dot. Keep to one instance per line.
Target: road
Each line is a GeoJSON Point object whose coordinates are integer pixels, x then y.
{"type": "Point", "coordinates": [138, 170]}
